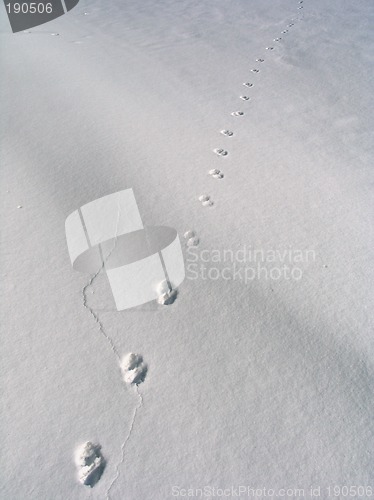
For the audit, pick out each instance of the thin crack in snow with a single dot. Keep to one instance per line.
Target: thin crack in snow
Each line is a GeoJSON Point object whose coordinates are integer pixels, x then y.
{"type": "Point", "coordinates": [114, 350]}
{"type": "Point", "coordinates": [123, 446]}
{"type": "Point", "coordinates": [92, 279]}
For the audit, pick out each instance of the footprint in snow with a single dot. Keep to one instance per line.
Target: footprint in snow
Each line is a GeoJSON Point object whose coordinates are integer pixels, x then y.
{"type": "Point", "coordinates": [285, 31]}
{"type": "Point", "coordinates": [237, 113]}
{"type": "Point", "coordinates": [227, 133]}
{"type": "Point", "coordinates": [277, 39]}
{"type": "Point", "coordinates": [192, 239]}
{"type": "Point", "coordinates": [205, 200]}
{"type": "Point", "coordinates": [189, 234]}
{"type": "Point", "coordinates": [260, 60]}
{"type": "Point", "coordinates": [90, 463]}
{"type": "Point", "coordinates": [269, 48]}
{"type": "Point", "coordinates": [244, 98]}
{"type": "Point", "coordinates": [220, 152]}
{"type": "Point", "coordinates": [216, 174]}
{"type": "Point", "coordinates": [247, 84]}
{"type": "Point", "coordinates": [193, 242]}
{"type": "Point", "coordinates": [255, 70]}
{"type": "Point", "coordinates": [133, 369]}
{"type": "Point", "coordinates": [166, 294]}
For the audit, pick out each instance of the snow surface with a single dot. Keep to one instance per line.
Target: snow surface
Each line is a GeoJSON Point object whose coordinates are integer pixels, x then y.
{"type": "Point", "coordinates": [133, 368]}
{"type": "Point", "coordinates": [266, 383]}
{"type": "Point", "coordinates": [90, 463]}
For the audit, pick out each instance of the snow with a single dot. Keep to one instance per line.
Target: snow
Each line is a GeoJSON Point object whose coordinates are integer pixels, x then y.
{"type": "Point", "coordinates": [168, 298]}
{"type": "Point", "coordinates": [90, 463]}
{"type": "Point", "coordinates": [252, 379]}
{"type": "Point", "coordinates": [133, 368]}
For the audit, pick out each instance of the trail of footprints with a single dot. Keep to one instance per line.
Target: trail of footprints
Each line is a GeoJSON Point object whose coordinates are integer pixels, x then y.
{"type": "Point", "coordinates": [89, 460]}
{"type": "Point", "coordinates": [215, 173]}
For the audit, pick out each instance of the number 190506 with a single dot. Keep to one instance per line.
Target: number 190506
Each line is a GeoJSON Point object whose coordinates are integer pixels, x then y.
{"type": "Point", "coordinates": [350, 491]}
{"type": "Point", "coordinates": [29, 8]}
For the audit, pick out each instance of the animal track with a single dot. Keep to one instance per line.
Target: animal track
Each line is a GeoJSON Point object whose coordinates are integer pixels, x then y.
{"type": "Point", "coordinates": [192, 239]}
{"type": "Point", "coordinates": [216, 174]}
{"type": "Point", "coordinates": [193, 242]}
{"type": "Point", "coordinates": [220, 152]}
{"type": "Point", "coordinates": [88, 458]}
{"type": "Point", "coordinates": [90, 463]}
{"type": "Point", "coordinates": [205, 200]}
{"type": "Point", "coordinates": [227, 133]}
{"type": "Point", "coordinates": [188, 234]}
{"type": "Point", "coordinates": [214, 171]}
{"type": "Point", "coordinates": [133, 369]}
{"type": "Point", "coordinates": [168, 298]}
{"type": "Point", "coordinates": [166, 295]}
